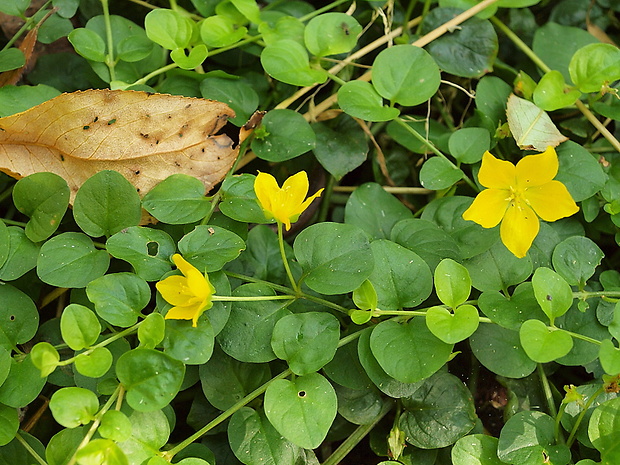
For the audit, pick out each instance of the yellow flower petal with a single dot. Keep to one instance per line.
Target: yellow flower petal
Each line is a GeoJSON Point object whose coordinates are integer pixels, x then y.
{"type": "Point", "coordinates": [488, 207]}
{"type": "Point", "coordinates": [551, 201]}
{"type": "Point", "coordinates": [519, 228]}
{"type": "Point", "coordinates": [537, 170]}
{"type": "Point", "coordinates": [174, 290]}
{"type": "Point", "coordinates": [266, 187]}
{"type": "Point", "coordinates": [183, 265]}
{"type": "Point", "coordinates": [495, 173]}
{"type": "Point", "coordinates": [295, 188]}
{"type": "Point", "coordinates": [184, 313]}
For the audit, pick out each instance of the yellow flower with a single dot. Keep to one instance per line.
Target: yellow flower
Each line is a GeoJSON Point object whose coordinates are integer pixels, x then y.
{"type": "Point", "coordinates": [286, 203]}
{"type": "Point", "coordinates": [518, 195]}
{"type": "Point", "coordinates": [189, 294]}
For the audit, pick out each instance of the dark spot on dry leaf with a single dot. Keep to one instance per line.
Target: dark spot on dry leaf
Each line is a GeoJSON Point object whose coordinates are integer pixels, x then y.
{"type": "Point", "coordinates": [86, 127]}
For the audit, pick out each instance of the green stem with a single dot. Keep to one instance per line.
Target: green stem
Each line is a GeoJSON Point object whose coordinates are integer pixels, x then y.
{"type": "Point", "coordinates": [153, 74]}
{"type": "Point", "coordinates": [573, 432]}
{"type": "Point", "coordinates": [434, 149]}
{"type": "Point", "coordinates": [224, 298]}
{"type": "Point", "coordinates": [354, 439]}
{"type": "Point", "coordinates": [322, 10]}
{"type": "Point", "coordinates": [14, 223]}
{"type": "Point", "coordinates": [326, 201]}
{"type": "Point", "coordinates": [522, 45]}
{"type": "Point", "coordinates": [252, 279]}
{"type": "Point", "coordinates": [109, 60]}
{"type": "Point", "coordinates": [224, 415]}
{"type": "Point", "coordinates": [285, 260]}
{"type": "Point", "coordinates": [30, 450]}
{"type": "Point", "coordinates": [577, 335]}
{"type": "Point", "coordinates": [547, 390]}
{"type": "Point", "coordinates": [425, 10]}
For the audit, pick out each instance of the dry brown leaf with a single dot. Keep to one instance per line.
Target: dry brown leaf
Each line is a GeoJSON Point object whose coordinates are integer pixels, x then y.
{"type": "Point", "coordinates": [144, 136]}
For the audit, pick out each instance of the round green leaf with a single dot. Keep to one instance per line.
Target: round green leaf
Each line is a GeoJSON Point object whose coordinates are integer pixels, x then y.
{"type": "Point", "coordinates": [9, 424]}
{"type": "Point", "coordinates": [406, 75]}
{"type": "Point", "coordinates": [168, 28]}
{"type": "Point", "coordinates": [209, 248]}
{"type": "Point", "coordinates": [178, 199]}
{"type": "Point", "coordinates": [400, 277]}
{"type": "Point", "coordinates": [543, 344]}
{"type": "Point", "coordinates": [551, 93]}
{"type": "Point", "coordinates": [575, 259]}
{"type": "Point", "coordinates": [302, 410]}
{"type": "Point", "coordinates": [105, 204]}
{"type": "Point", "coordinates": [609, 355]}
{"type": "Point", "coordinates": [468, 145]}
{"type": "Point", "coordinates": [359, 99]}
{"type": "Point", "coordinates": [432, 419]}
{"type": "Point", "coordinates": [408, 352]}
{"type": "Point", "coordinates": [44, 197]}
{"type": "Point", "coordinates": [239, 199]}
{"type": "Point", "coordinates": [19, 318]}
{"type": "Point", "coordinates": [95, 363]}
{"type": "Point", "coordinates": [23, 384]}
{"type": "Point", "coordinates": [221, 31]}
{"type": "Point", "coordinates": [151, 378]}
{"type": "Point", "coordinates": [71, 260]}
{"type": "Point", "coordinates": [152, 330]}
{"type": "Point", "coordinates": [115, 425]}
{"type": "Point", "coordinates": [331, 34]}
{"type": "Point", "coordinates": [277, 143]}
{"type": "Point", "coordinates": [604, 430]}
{"type": "Point", "coordinates": [79, 326]}
{"type": "Point", "coordinates": [307, 341]}
{"type": "Point", "coordinates": [98, 450]}
{"type": "Point", "coordinates": [594, 66]}
{"type": "Point", "coordinates": [11, 58]}
{"type": "Point", "coordinates": [497, 268]}
{"type": "Point", "coordinates": [192, 346]}
{"type": "Point", "coordinates": [21, 254]}
{"type": "Point", "coordinates": [238, 95]}
{"type": "Point", "coordinates": [254, 440]}
{"type": "Point", "coordinates": [438, 173]}
{"type": "Point", "coordinates": [74, 406]}
{"type": "Point", "coordinates": [326, 250]}
{"type": "Point", "coordinates": [511, 312]}
{"type": "Point", "coordinates": [469, 51]}
{"type": "Point", "coordinates": [119, 297]}
{"type": "Point", "coordinates": [5, 363]}
{"type": "Point", "coordinates": [287, 61]}
{"type": "Point", "coordinates": [452, 327]}
{"type": "Point", "coordinates": [579, 171]}
{"type": "Point", "coordinates": [365, 297]}
{"type": "Point", "coordinates": [148, 250]}
{"type": "Point", "coordinates": [552, 292]}
{"type": "Point", "coordinates": [88, 44]}
{"type": "Point", "coordinates": [452, 283]}
{"type": "Point", "coordinates": [134, 48]}
{"type": "Point", "coordinates": [191, 59]}
{"type": "Point", "coordinates": [476, 449]}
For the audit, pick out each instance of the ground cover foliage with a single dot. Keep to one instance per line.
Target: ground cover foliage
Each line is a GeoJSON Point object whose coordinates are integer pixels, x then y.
{"type": "Point", "coordinates": [450, 296]}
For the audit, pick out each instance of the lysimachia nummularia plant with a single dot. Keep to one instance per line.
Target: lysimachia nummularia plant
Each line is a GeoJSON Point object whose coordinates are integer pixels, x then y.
{"type": "Point", "coordinates": [412, 260]}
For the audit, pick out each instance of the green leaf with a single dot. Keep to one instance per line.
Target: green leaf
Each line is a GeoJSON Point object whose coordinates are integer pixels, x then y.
{"type": "Point", "coordinates": [248, 8]}
{"type": "Point", "coordinates": [119, 297]}
{"type": "Point", "coordinates": [19, 318]}
{"type": "Point", "coordinates": [531, 127]}
{"type": "Point", "coordinates": [45, 357]}
{"type": "Point", "coordinates": [247, 334]}
{"type": "Point", "coordinates": [22, 254]}
{"type": "Point", "coordinates": [88, 44]}
{"type": "Point", "coordinates": [552, 292]}
{"type": "Point", "coordinates": [466, 4]}
{"type": "Point", "coordinates": [408, 352]}
{"type": "Point", "coordinates": [9, 424]}
{"type": "Point", "coordinates": [331, 34]}
{"type": "Point", "coordinates": [438, 173]}
{"type": "Point", "coordinates": [152, 330]}
{"type": "Point", "coordinates": [468, 145]}
{"type": "Point", "coordinates": [543, 344]}
{"type": "Point", "coordinates": [191, 59]}
{"type": "Point", "coordinates": [79, 326]}
{"type": "Point", "coordinates": [510, 312]}
{"type": "Point", "coordinates": [14, 99]}
{"type": "Point", "coordinates": [604, 430]}
{"type": "Point", "coordinates": [491, 97]}
{"type": "Point", "coordinates": [14, 7]}
{"type": "Point", "coordinates": [359, 99]}
{"type": "Point", "coordinates": [254, 440]}
{"type": "Point", "coordinates": [365, 296]}
{"type": "Point", "coordinates": [452, 327]}
{"type": "Point", "coordinates": [551, 92]}
{"type": "Point", "coordinates": [284, 27]}
{"type": "Point", "coordinates": [326, 250]}
{"type": "Point", "coordinates": [278, 145]}
{"type": "Point", "coordinates": [476, 449]}
{"type": "Point", "coordinates": [44, 197]}
{"type": "Point", "coordinates": [134, 48]}
{"type": "Point", "coordinates": [595, 66]}
{"type": "Point", "coordinates": [579, 171]}
{"type": "Point", "coordinates": [17, 453]}
{"type": "Point", "coordinates": [105, 204]}
{"type": "Point", "coordinates": [150, 432]}
{"type": "Point", "coordinates": [209, 248]}
{"type": "Point", "coordinates": [23, 384]}
{"type": "Point", "coordinates": [151, 378]}
{"type": "Point", "coordinates": [63, 445]}
{"type": "Point", "coordinates": [497, 269]}
{"type": "Point", "coordinates": [499, 350]}
{"type": "Point", "coordinates": [406, 75]}
{"type": "Point", "coordinates": [307, 341]}
{"type": "Point", "coordinates": [115, 425]}
{"type": "Point", "coordinates": [148, 250]}
{"type": "Point", "coordinates": [432, 419]}
{"type": "Point", "coordinates": [341, 146]}
{"type": "Point", "coordinates": [11, 58]}
{"type": "Point", "coordinates": [221, 31]}
{"type": "Point", "coordinates": [586, 324]}
{"type": "Point", "coordinates": [74, 406]}
{"type": "Point", "coordinates": [302, 410]}
{"type": "Point", "coordinates": [238, 95]}
{"type": "Point", "coordinates": [575, 259]}
{"type": "Point", "coordinates": [400, 277]}
{"type": "Point", "coordinates": [98, 450]}
{"type": "Point", "coordinates": [528, 437]}
{"type": "Point", "coordinates": [94, 363]}
{"type": "Point", "coordinates": [191, 345]}
{"type": "Point", "coordinates": [469, 51]}
{"type": "Point", "coordinates": [287, 61]}
{"type": "Point", "coordinates": [225, 380]}
{"type": "Point", "coordinates": [168, 28]}
{"type": "Point", "coordinates": [452, 283]}
{"type": "Point", "coordinates": [178, 199]}
{"type": "Point", "coordinates": [379, 220]}
{"type": "Point", "coordinates": [239, 199]}
{"type": "Point", "coordinates": [609, 355]}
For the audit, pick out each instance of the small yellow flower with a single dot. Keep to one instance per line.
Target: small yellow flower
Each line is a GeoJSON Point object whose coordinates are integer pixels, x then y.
{"type": "Point", "coordinates": [283, 204]}
{"type": "Point", "coordinates": [189, 294]}
{"type": "Point", "coordinates": [518, 195]}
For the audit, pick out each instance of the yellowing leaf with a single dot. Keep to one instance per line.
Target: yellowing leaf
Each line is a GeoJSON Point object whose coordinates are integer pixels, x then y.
{"type": "Point", "coordinates": [530, 126]}
{"type": "Point", "coordinates": [144, 136]}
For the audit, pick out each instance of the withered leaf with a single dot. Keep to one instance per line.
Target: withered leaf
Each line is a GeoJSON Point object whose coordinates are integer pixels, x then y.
{"type": "Point", "coordinates": [144, 136]}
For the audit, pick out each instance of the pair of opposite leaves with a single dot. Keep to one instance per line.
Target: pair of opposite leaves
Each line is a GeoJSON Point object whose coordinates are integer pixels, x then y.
{"type": "Point", "coordinates": [146, 137]}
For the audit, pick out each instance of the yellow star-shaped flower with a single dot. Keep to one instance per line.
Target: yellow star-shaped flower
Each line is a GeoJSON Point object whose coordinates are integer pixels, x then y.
{"type": "Point", "coordinates": [189, 294]}
{"type": "Point", "coordinates": [518, 195]}
{"type": "Point", "coordinates": [283, 204]}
